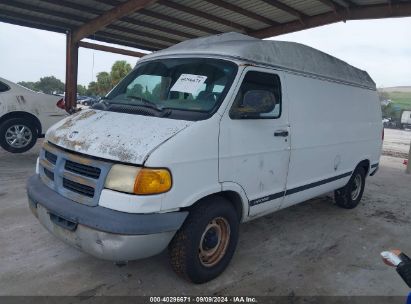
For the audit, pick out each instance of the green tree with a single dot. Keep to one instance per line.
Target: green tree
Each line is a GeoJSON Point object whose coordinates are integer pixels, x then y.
{"type": "Point", "coordinates": [391, 110]}
{"type": "Point", "coordinates": [104, 84]}
{"type": "Point", "coordinates": [28, 84]}
{"type": "Point", "coordinates": [119, 70]}
{"type": "Point", "coordinates": [49, 85]}
{"type": "Point", "coordinates": [92, 89]}
{"type": "Point", "coordinates": [81, 90]}
{"type": "Point", "coordinates": [106, 81]}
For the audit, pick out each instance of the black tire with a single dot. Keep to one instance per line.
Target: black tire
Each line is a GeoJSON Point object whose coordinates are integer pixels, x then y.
{"type": "Point", "coordinates": [350, 196]}
{"type": "Point", "coordinates": [9, 123]}
{"type": "Point", "coordinates": [184, 249]}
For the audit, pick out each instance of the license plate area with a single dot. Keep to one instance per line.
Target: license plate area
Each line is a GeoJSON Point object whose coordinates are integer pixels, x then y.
{"type": "Point", "coordinates": [63, 223]}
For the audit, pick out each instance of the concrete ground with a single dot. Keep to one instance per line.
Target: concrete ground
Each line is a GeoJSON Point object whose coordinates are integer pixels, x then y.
{"type": "Point", "coordinates": [314, 248]}
{"type": "Point", "coordinates": [397, 142]}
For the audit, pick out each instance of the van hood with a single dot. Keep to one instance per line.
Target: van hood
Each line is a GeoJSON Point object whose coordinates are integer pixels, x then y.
{"type": "Point", "coordinates": [120, 137]}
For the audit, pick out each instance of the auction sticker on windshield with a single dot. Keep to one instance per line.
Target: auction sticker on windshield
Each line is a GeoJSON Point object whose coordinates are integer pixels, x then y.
{"type": "Point", "coordinates": [188, 83]}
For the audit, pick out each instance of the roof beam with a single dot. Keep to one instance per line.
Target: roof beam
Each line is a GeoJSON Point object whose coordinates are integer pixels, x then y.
{"type": "Point", "coordinates": [180, 22]}
{"type": "Point", "coordinates": [401, 9]}
{"type": "Point", "coordinates": [117, 12]}
{"type": "Point", "coordinates": [204, 15]}
{"type": "Point", "coordinates": [168, 18]}
{"type": "Point", "coordinates": [148, 44]}
{"type": "Point", "coordinates": [122, 41]}
{"type": "Point", "coordinates": [348, 3]}
{"type": "Point", "coordinates": [160, 28]}
{"type": "Point", "coordinates": [331, 4]}
{"type": "Point", "coordinates": [286, 8]}
{"type": "Point", "coordinates": [33, 21]}
{"type": "Point", "coordinates": [110, 49]}
{"type": "Point", "coordinates": [140, 33]}
{"type": "Point", "coordinates": [80, 19]}
{"type": "Point", "coordinates": [97, 12]}
{"type": "Point", "coordinates": [242, 11]}
{"type": "Point", "coordinates": [61, 27]}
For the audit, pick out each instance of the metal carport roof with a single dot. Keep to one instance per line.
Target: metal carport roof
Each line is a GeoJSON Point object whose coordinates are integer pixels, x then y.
{"type": "Point", "coordinates": [153, 25]}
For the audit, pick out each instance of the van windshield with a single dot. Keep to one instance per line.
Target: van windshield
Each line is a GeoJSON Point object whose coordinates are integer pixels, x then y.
{"type": "Point", "coordinates": [188, 88]}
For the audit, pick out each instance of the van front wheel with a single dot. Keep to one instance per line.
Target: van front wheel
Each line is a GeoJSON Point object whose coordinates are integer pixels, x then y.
{"type": "Point", "coordinates": [205, 244]}
{"type": "Point", "coordinates": [349, 196]}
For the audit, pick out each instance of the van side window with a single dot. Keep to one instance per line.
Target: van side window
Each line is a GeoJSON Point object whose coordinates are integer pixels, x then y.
{"type": "Point", "coordinates": [3, 87]}
{"type": "Point", "coordinates": [259, 97]}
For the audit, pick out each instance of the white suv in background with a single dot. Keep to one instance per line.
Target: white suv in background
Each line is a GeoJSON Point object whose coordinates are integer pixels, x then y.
{"type": "Point", "coordinates": [26, 115]}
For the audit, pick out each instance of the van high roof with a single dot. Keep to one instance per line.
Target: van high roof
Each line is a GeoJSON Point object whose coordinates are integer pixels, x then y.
{"type": "Point", "coordinates": [289, 56]}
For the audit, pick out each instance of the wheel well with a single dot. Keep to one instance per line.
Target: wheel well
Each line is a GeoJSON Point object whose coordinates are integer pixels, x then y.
{"type": "Point", "coordinates": [364, 164]}
{"type": "Point", "coordinates": [232, 197]}
{"type": "Point", "coordinates": [25, 115]}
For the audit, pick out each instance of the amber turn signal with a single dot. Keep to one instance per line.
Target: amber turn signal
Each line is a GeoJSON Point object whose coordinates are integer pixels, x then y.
{"type": "Point", "coordinates": [152, 181]}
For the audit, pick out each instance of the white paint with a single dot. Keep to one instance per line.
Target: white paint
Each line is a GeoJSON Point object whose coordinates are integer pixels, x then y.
{"type": "Point", "coordinates": [406, 118]}
{"type": "Point", "coordinates": [192, 157]}
{"type": "Point", "coordinates": [251, 156]}
{"type": "Point", "coordinates": [188, 83]}
{"type": "Point", "coordinates": [130, 203]}
{"type": "Point", "coordinates": [329, 120]}
{"type": "Point", "coordinates": [332, 127]}
{"type": "Point", "coordinates": [21, 99]}
{"type": "Point", "coordinates": [115, 136]}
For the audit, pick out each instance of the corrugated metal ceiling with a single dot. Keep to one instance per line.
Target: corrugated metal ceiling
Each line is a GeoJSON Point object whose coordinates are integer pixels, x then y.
{"type": "Point", "coordinates": [166, 22]}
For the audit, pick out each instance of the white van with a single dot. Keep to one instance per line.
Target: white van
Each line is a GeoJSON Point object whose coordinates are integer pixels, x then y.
{"type": "Point", "coordinates": [406, 119]}
{"type": "Point", "coordinates": [26, 115]}
{"type": "Point", "coordinates": [200, 137]}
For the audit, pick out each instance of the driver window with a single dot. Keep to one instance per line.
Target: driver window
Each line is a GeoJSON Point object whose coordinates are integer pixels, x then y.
{"type": "Point", "coordinates": [259, 97]}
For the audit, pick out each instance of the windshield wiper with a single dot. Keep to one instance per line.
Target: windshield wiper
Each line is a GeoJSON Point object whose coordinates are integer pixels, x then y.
{"type": "Point", "coordinates": [147, 103]}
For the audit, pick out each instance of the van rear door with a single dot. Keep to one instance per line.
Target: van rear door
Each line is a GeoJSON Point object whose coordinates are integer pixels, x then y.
{"type": "Point", "coordinates": [254, 142]}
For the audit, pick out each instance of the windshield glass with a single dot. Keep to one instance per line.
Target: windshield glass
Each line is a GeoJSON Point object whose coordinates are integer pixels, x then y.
{"type": "Point", "coordinates": [183, 84]}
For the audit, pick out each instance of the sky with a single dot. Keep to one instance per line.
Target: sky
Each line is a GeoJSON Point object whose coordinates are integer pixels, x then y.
{"type": "Point", "coordinates": [381, 47]}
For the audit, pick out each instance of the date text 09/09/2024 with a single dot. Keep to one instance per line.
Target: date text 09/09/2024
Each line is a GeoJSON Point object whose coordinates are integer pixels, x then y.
{"type": "Point", "coordinates": [203, 299]}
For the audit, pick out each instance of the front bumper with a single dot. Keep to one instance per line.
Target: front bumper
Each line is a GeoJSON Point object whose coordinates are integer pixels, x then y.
{"type": "Point", "coordinates": [102, 232]}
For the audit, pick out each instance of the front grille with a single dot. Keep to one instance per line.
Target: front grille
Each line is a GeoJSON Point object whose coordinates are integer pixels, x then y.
{"type": "Point", "coordinates": [49, 174]}
{"type": "Point", "coordinates": [52, 158]}
{"type": "Point", "coordinates": [72, 175]}
{"type": "Point", "coordinates": [81, 169]}
{"type": "Point", "coordinates": [78, 188]}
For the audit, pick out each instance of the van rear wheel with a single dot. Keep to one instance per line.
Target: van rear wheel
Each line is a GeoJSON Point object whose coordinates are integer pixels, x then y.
{"type": "Point", "coordinates": [350, 196]}
{"type": "Point", "coordinates": [203, 247]}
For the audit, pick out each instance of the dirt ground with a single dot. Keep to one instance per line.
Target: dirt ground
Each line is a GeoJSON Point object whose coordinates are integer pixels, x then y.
{"type": "Point", "coordinates": [314, 248]}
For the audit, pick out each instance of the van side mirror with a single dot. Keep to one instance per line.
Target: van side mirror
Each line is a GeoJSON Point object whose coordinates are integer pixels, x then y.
{"type": "Point", "coordinates": [254, 103]}
{"type": "Point", "coordinates": [261, 101]}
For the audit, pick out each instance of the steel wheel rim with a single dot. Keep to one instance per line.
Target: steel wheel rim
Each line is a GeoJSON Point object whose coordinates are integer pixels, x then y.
{"type": "Point", "coordinates": [355, 193]}
{"type": "Point", "coordinates": [219, 231]}
{"type": "Point", "coordinates": [18, 136]}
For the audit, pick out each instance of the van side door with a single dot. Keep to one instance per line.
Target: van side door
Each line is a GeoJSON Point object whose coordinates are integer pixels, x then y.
{"type": "Point", "coordinates": [254, 141]}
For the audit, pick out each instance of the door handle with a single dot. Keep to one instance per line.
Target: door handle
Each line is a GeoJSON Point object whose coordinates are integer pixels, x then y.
{"type": "Point", "coordinates": [281, 133]}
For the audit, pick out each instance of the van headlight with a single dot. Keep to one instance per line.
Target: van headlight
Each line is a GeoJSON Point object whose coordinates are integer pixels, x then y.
{"type": "Point", "coordinates": [137, 180]}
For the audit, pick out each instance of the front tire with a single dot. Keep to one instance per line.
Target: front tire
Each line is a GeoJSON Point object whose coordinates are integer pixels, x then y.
{"type": "Point", "coordinates": [17, 135]}
{"type": "Point", "coordinates": [350, 195]}
{"type": "Point", "coordinates": [203, 247]}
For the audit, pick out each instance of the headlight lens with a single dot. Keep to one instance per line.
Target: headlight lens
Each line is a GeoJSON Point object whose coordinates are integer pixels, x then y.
{"type": "Point", "coordinates": [138, 180]}
{"type": "Point", "coordinates": [122, 178]}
